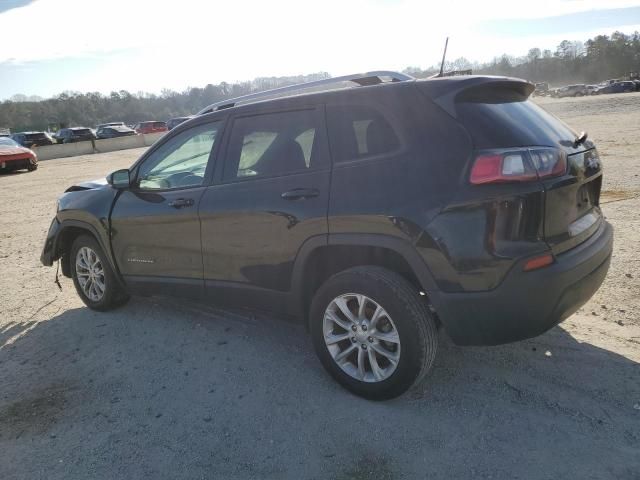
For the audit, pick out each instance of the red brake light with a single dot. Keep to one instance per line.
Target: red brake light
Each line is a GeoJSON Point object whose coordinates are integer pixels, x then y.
{"type": "Point", "coordinates": [502, 167]}
{"type": "Point", "coordinates": [518, 165]}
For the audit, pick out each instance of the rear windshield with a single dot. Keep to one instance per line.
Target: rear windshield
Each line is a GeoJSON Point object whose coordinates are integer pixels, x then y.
{"type": "Point", "coordinates": [159, 124]}
{"type": "Point", "coordinates": [504, 122]}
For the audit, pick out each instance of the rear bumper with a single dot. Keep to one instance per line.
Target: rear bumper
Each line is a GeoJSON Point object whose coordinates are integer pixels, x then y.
{"type": "Point", "coordinates": [527, 304]}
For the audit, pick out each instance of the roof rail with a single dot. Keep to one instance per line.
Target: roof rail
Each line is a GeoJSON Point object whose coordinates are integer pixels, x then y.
{"type": "Point", "coordinates": [362, 79]}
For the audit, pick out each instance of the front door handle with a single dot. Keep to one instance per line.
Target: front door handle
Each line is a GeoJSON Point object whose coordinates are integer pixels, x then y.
{"type": "Point", "coordinates": [300, 193]}
{"type": "Point", "coordinates": [181, 203]}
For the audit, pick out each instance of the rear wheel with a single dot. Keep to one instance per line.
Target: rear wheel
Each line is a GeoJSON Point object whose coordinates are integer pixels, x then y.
{"type": "Point", "coordinates": [373, 332]}
{"type": "Point", "coordinates": [93, 277]}
{"type": "Point", "coordinates": [32, 167]}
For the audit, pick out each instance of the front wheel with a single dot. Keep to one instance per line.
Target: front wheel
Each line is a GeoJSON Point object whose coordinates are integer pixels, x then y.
{"type": "Point", "coordinates": [93, 277]}
{"type": "Point", "coordinates": [373, 332]}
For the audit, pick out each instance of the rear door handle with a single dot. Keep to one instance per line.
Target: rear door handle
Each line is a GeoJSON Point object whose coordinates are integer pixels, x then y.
{"type": "Point", "coordinates": [181, 202]}
{"type": "Point", "coordinates": [300, 193]}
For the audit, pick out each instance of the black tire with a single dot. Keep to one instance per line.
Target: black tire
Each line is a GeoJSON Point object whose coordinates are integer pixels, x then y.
{"type": "Point", "coordinates": [32, 167]}
{"type": "Point", "coordinates": [114, 296]}
{"type": "Point", "coordinates": [414, 323]}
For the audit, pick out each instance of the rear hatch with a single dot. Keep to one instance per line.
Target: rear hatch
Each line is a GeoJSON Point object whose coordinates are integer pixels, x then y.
{"type": "Point", "coordinates": [536, 146]}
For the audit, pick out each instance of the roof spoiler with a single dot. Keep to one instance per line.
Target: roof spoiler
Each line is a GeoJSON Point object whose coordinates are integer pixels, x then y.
{"type": "Point", "coordinates": [446, 91]}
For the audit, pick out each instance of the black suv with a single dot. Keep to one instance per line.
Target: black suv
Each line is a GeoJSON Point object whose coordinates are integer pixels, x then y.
{"type": "Point", "coordinates": [375, 214]}
{"type": "Point", "coordinates": [32, 139]}
{"type": "Point", "coordinates": [74, 134]}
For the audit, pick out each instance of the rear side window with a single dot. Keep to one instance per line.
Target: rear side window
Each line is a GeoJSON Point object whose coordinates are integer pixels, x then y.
{"type": "Point", "coordinates": [359, 131]}
{"type": "Point", "coordinates": [498, 121]}
{"type": "Point", "coordinates": [272, 144]}
{"type": "Point", "coordinates": [159, 125]}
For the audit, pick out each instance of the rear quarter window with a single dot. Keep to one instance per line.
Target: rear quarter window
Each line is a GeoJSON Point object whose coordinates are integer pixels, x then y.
{"type": "Point", "coordinates": [359, 131]}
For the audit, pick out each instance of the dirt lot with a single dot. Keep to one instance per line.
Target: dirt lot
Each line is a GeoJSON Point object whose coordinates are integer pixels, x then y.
{"type": "Point", "coordinates": [164, 389]}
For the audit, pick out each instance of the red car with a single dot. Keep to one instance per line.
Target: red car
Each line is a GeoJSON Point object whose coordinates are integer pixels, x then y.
{"type": "Point", "coordinates": [15, 157]}
{"type": "Point", "coordinates": [151, 127]}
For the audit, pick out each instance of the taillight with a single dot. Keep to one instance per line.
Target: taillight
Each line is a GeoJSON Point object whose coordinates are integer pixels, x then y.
{"type": "Point", "coordinates": [517, 165]}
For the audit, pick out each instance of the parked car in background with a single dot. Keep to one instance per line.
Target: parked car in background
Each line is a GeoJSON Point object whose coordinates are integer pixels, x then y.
{"type": "Point", "coordinates": [110, 124]}
{"type": "Point", "coordinates": [572, 91]}
{"type": "Point", "coordinates": [74, 134]}
{"type": "Point", "coordinates": [592, 89]}
{"type": "Point", "coordinates": [114, 131]}
{"type": "Point", "coordinates": [31, 139]}
{"type": "Point", "coordinates": [542, 89]}
{"type": "Point", "coordinates": [174, 122]}
{"type": "Point", "coordinates": [16, 157]}
{"type": "Point", "coordinates": [151, 127]}
{"type": "Point", "coordinates": [619, 87]}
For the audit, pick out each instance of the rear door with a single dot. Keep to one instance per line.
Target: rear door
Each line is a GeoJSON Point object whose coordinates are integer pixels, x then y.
{"type": "Point", "coordinates": [155, 225]}
{"type": "Point", "coordinates": [272, 196]}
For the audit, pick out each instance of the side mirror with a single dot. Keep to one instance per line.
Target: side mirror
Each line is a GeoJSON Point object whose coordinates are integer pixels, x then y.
{"type": "Point", "coordinates": [119, 178]}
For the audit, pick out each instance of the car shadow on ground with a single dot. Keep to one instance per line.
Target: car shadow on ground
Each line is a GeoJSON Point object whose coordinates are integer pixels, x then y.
{"type": "Point", "coordinates": [162, 387]}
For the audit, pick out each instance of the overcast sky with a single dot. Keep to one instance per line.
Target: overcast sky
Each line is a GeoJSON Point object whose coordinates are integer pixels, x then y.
{"type": "Point", "coordinates": [48, 46]}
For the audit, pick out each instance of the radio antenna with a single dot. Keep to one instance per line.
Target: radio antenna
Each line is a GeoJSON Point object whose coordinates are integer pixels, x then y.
{"type": "Point", "coordinates": [444, 55]}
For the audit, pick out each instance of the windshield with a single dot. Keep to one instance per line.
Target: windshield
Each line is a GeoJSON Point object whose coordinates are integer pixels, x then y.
{"type": "Point", "coordinates": [8, 142]}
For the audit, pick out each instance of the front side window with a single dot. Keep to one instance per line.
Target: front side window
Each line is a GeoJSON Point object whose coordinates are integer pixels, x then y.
{"type": "Point", "coordinates": [359, 131]}
{"type": "Point", "coordinates": [272, 144]}
{"type": "Point", "coordinates": [181, 162]}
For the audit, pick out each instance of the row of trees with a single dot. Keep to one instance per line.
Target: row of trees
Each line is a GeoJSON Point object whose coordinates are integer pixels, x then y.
{"type": "Point", "coordinates": [93, 108]}
{"type": "Point", "coordinates": [595, 60]}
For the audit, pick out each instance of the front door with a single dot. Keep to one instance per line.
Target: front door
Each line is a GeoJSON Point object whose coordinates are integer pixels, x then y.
{"type": "Point", "coordinates": [155, 225]}
{"type": "Point", "coordinates": [270, 198]}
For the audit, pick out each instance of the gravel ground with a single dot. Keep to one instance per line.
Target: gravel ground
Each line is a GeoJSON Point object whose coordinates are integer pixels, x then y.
{"type": "Point", "coordinates": [165, 389]}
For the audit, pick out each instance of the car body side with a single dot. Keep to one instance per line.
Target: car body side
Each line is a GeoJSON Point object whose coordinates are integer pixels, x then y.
{"type": "Point", "coordinates": [409, 210]}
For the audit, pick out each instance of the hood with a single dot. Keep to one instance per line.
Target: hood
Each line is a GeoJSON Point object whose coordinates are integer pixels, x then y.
{"type": "Point", "coordinates": [9, 150]}
{"type": "Point", "coordinates": [88, 185]}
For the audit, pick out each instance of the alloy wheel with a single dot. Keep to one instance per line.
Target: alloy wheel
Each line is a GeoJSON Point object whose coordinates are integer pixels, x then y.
{"type": "Point", "coordinates": [90, 274]}
{"type": "Point", "coordinates": [361, 337]}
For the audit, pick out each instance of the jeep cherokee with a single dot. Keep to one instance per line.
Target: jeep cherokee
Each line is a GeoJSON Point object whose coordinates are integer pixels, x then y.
{"type": "Point", "coordinates": [375, 213]}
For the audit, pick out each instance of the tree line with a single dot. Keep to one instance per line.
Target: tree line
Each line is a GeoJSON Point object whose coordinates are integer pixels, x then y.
{"type": "Point", "coordinates": [21, 113]}
{"type": "Point", "coordinates": [600, 58]}
{"type": "Point", "coordinates": [593, 61]}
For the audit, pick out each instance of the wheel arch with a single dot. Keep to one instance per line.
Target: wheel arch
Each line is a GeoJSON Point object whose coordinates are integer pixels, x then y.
{"type": "Point", "coordinates": [69, 231]}
{"type": "Point", "coordinates": [323, 256]}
